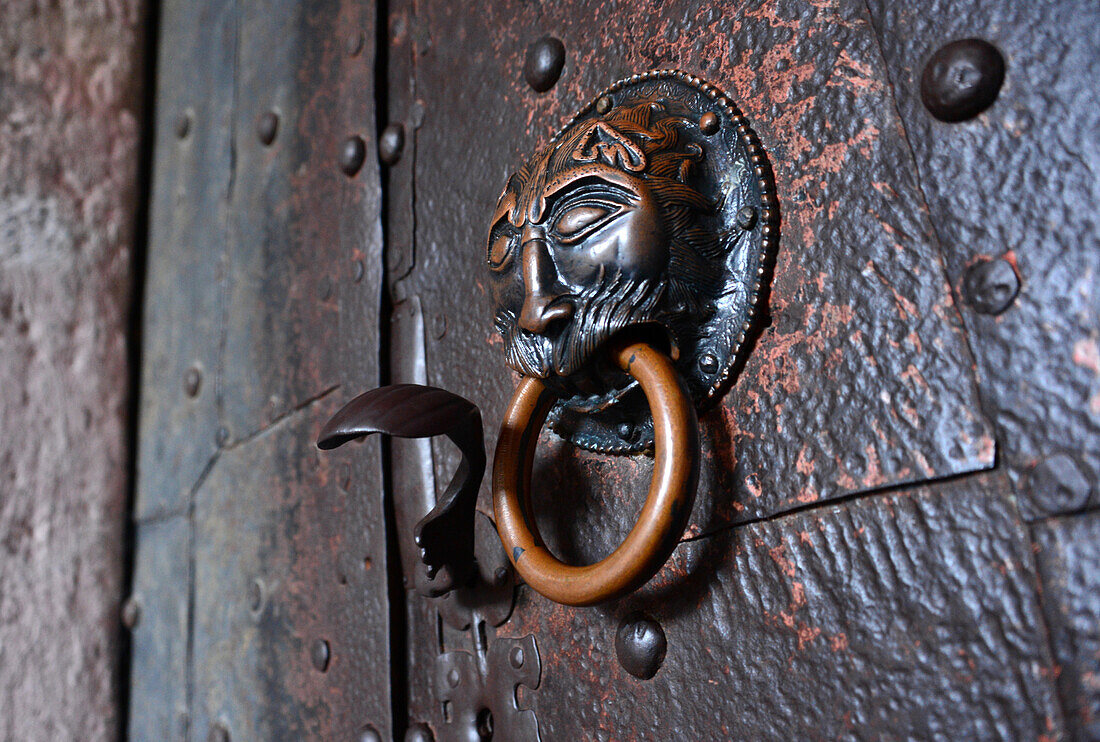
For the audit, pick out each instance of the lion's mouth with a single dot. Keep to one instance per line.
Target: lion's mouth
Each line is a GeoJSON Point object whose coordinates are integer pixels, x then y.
{"type": "Point", "coordinates": [585, 382]}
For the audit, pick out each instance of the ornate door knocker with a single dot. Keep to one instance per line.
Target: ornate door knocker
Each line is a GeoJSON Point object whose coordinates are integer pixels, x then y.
{"type": "Point", "coordinates": [627, 257]}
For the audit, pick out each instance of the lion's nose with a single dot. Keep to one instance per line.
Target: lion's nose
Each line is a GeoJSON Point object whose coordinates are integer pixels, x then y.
{"type": "Point", "coordinates": [542, 289]}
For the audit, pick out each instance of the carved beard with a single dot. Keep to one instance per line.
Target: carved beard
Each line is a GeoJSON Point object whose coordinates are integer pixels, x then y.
{"type": "Point", "coordinates": [601, 310]}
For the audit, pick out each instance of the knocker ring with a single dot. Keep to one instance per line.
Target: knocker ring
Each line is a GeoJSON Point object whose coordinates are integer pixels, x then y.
{"type": "Point", "coordinates": [667, 507]}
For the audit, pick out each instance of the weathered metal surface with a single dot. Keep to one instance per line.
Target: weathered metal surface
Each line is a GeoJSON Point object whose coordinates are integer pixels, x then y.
{"type": "Point", "coordinates": [861, 380]}
{"type": "Point", "coordinates": [70, 113]}
{"type": "Point", "coordinates": [264, 276]}
{"type": "Point", "coordinates": [1018, 183]}
{"type": "Point", "coordinates": [192, 171]}
{"type": "Point", "coordinates": [159, 647]}
{"type": "Point", "coordinates": [1068, 557]}
{"type": "Point", "coordinates": [309, 658]}
{"type": "Point", "coordinates": [907, 615]}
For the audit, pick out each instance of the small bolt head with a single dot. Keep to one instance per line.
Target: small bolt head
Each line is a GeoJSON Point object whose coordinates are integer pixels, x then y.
{"type": "Point", "coordinates": [962, 79]}
{"type": "Point", "coordinates": [709, 123]}
{"type": "Point", "coordinates": [1057, 485]}
{"type": "Point", "coordinates": [358, 271]}
{"type": "Point", "coordinates": [419, 732]}
{"type": "Point", "coordinates": [131, 613]}
{"type": "Point", "coordinates": [183, 125]}
{"type": "Point", "coordinates": [192, 381]}
{"type": "Point", "coordinates": [370, 734]}
{"type": "Point", "coordinates": [320, 654]}
{"type": "Point", "coordinates": [352, 154]}
{"type": "Point", "coordinates": [990, 286]}
{"type": "Point", "coordinates": [746, 217]}
{"type": "Point", "coordinates": [544, 63]}
{"type": "Point", "coordinates": [391, 143]}
{"type": "Point", "coordinates": [708, 363]}
{"type": "Point", "coordinates": [267, 126]}
{"type": "Point", "coordinates": [255, 595]}
{"type": "Point", "coordinates": [640, 645]}
{"type": "Point", "coordinates": [515, 657]}
{"type": "Point", "coordinates": [453, 678]}
{"type": "Point", "coordinates": [355, 43]}
{"type": "Point", "coordinates": [603, 105]}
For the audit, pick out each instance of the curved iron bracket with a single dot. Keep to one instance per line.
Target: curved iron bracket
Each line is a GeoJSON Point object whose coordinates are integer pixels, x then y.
{"type": "Point", "coordinates": [445, 536]}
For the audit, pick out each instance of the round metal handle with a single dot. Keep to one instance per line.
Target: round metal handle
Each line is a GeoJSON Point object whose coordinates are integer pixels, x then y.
{"type": "Point", "coordinates": [667, 507]}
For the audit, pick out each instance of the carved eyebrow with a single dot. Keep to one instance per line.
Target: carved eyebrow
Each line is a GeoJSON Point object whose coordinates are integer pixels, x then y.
{"type": "Point", "coordinates": [504, 208]}
{"type": "Point", "coordinates": [566, 189]}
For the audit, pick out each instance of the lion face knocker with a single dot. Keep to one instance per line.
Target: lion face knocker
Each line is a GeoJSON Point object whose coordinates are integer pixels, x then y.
{"type": "Point", "coordinates": [652, 212]}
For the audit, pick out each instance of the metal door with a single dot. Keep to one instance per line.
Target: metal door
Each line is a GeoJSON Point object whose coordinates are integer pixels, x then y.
{"type": "Point", "coordinates": [894, 534]}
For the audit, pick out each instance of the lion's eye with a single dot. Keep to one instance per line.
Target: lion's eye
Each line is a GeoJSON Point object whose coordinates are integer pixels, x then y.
{"type": "Point", "coordinates": [580, 218]}
{"type": "Point", "coordinates": [500, 249]}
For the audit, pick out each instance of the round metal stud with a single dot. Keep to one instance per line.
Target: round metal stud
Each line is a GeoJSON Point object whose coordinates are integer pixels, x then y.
{"type": "Point", "coordinates": [355, 43]}
{"type": "Point", "coordinates": [544, 63]}
{"type": "Point", "coordinates": [267, 126]}
{"type": "Point", "coordinates": [255, 596]}
{"type": "Point", "coordinates": [962, 79]}
{"type": "Point", "coordinates": [419, 732]}
{"type": "Point", "coordinates": [603, 104]}
{"type": "Point", "coordinates": [1057, 485]}
{"type": "Point", "coordinates": [709, 123]}
{"type": "Point", "coordinates": [990, 286]}
{"type": "Point", "coordinates": [515, 657]}
{"type": "Point", "coordinates": [192, 381]}
{"type": "Point", "coordinates": [370, 734]}
{"type": "Point", "coordinates": [640, 645]}
{"type": "Point", "coordinates": [746, 217]}
{"type": "Point", "coordinates": [183, 125]}
{"type": "Point", "coordinates": [320, 654]}
{"type": "Point", "coordinates": [352, 154]}
{"type": "Point", "coordinates": [391, 143]}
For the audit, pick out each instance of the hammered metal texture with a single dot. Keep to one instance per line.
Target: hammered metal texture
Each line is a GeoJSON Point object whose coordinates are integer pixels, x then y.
{"type": "Point", "coordinates": [1068, 556]}
{"type": "Point", "coordinates": [1020, 182]}
{"type": "Point", "coordinates": [847, 621]}
{"type": "Point", "coordinates": [264, 273]}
